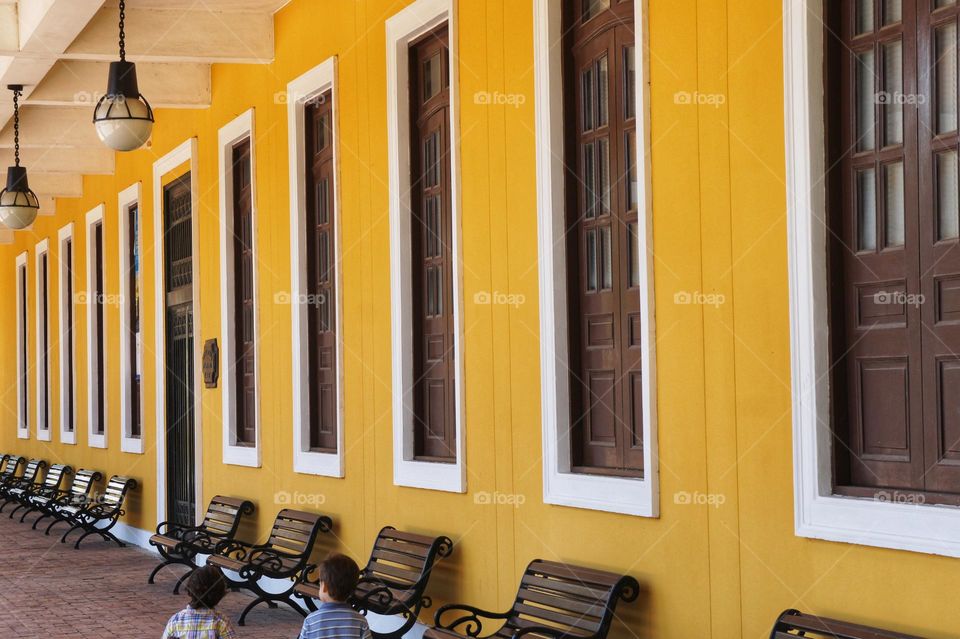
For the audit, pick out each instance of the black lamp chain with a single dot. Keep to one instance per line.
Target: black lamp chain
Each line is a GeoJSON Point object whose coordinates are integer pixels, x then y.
{"type": "Point", "coordinates": [123, 15]}
{"type": "Point", "coordinates": [16, 127]}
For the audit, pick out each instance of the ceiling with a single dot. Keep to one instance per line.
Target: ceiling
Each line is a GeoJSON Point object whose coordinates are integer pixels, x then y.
{"type": "Point", "coordinates": [60, 51]}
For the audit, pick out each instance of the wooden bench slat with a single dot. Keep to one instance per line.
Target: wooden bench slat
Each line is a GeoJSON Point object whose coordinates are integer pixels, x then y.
{"type": "Point", "coordinates": [411, 561]}
{"type": "Point", "coordinates": [576, 605]}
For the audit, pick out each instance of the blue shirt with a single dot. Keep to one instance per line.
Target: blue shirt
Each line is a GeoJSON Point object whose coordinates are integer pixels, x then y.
{"type": "Point", "coordinates": [335, 621]}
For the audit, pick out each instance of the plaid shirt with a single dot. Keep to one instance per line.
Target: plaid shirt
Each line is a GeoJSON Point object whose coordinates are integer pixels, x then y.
{"type": "Point", "coordinates": [201, 623]}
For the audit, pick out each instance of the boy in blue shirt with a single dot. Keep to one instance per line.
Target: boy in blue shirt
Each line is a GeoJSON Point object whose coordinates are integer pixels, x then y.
{"type": "Point", "coordinates": [335, 618]}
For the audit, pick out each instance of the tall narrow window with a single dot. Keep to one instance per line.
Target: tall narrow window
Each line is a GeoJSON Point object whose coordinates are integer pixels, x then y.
{"type": "Point", "coordinates": [894, 262]}
{"type": "Point", "coordinates": [604, 318]}
{"type": "Point", "coordinates": [245, 363]}
{"type": "Point", "coordinates": [131, 348]}
{"type": "Point", "coordinates": [23, 351]}
{"type": "Point", "coordinates": [43, 342]}
{"type": "Point", "coordinates": [66, 341]}
{"type": "Point", "coordinates": [96, 347]}
{"type": "Point", "coordinates": [434, 368]}
{"type": "Point", "coordinates": [321, 274]}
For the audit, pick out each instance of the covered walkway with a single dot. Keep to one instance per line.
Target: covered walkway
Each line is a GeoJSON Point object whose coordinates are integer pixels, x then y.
{"type": "Point", "coordinates": [51, 590]}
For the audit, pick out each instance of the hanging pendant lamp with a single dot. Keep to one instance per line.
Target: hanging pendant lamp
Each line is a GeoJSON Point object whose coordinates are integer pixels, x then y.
{"type": "Point", "coordinates": [123, 117]}
{"type": "Point", "coordinates": [18, 204]}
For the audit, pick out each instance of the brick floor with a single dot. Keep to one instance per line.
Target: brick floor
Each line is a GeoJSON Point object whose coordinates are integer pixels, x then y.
{"type": "Point", "coordinates": [50, 590]}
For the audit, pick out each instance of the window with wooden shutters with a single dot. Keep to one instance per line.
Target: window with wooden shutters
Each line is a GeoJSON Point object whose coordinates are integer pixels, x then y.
{"type": "Point", "coordinates": [321, 274]}
{"type": "Point", "coordinates": [133, 319]}
{"type": "Point", "coordinates": [98, 354]}
{"type": "Point", "coordinates": [894, 258]}
{"type": "Point", "coordinates": [67, 363]}
{"type": "Point", "coordinates": [23, 351]}
{"type": "Point", "coordinates": [244, 365]}
{"type": "Point", "coordinates": [434, 395]}
{"type": "Point", "coordinates": [602, 219]}
{"type": "Point", "coordinates": [43, 342]}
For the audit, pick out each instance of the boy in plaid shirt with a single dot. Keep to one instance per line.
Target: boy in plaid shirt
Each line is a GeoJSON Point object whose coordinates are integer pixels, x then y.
{"type": "Point", "coordinates": [200, 620]}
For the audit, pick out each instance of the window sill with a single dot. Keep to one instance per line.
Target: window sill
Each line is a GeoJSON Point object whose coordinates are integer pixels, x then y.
{"type": "Point", "coordinates": [133, 445]}
{"type": "Point", "coordinates": [23, 433]}
{"type": "Point", "coordinates": [97, 441]}
{"type": "Point", "coordinates": [44, 436]}
{"type": "Point", "coordinates": [316, 463]}
{"type": "Point", "coordinates": [235, 455]}
{"type": "Point", "coordinates": [68, 437]}
{"type": "Point", "coordinates": [430, 475]}
{"type": "Point", "coordinates": [609, 493]}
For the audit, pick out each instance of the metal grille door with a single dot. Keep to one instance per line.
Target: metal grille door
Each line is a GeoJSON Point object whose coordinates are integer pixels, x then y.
{"type": "Point", "coordinates": [178, 252]}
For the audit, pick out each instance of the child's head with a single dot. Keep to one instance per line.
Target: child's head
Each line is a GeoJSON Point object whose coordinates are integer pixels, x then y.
{"type": "Point", "coordinates": [206, 587]}
{"type": "Point", "coordinates": [338, 578]}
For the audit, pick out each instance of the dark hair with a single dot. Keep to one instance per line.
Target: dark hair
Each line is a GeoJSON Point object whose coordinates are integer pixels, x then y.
{"type": "Point", "coordinates": [206, 587]}
{"type": "Point", "coordinates": [340, 574]}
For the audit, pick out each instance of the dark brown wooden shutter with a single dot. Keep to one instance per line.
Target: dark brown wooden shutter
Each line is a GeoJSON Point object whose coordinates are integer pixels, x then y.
{"type": "Point", "coordinates": [68, 274]}
{"type": "Point", "coordinates": [894, 261]}
{"type": "Point", "coordinates": [606, 406]}
{"type": "Point", "coordinates": [321, 274]}
{"type": "Point", "coordinates": [434, 361]}
{"type": "Point", "coordinates": [44, 310]}
{"type": "Point", "coordinates": [245, 337]}
{"type": "Point", "coordinates": [133, 321]}
{"type": "Point", "coordinates": [24, 352]}
{"type": "Point", "coordinates": [99, 353]}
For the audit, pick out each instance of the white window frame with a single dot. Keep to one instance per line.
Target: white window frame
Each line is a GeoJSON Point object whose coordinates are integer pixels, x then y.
{"type": "Point", "coordinates": [129, 197]}
{"type": "Point", "coordinates": [632, 496]}
{"type": "Point", "coordinates": [239, 129]}
{"type": "Point", "coordinates": [63, 235]}
{"type": "Point", "coordinates": [23, 407]}
{"type": "Point", "coordinates": [309, 86]}
{"type": "Point", "coordinates": [41, 249]}
{"type": "Point", "coordinates": [185, 152]}
{"type": "Point", "coordinates": [95, 440]}
{"type": "Point", "coordinates": [416, 19]}
{"type": "Point", "coordinates": [818, 512]}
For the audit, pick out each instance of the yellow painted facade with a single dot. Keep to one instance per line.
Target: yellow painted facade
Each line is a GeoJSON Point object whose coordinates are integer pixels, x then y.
{"type": "Point", "coordinates": [723, 375]}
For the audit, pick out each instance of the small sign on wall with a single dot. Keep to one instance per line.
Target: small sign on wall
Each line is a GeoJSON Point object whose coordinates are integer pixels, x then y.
{"type": "Point", "coordinates": [211, 363]}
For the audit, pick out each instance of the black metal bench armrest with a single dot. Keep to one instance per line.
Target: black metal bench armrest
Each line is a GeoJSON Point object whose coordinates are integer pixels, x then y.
{"type": "Point", "coordinates": [170, 529]}
{"type": "Point", "coordinates": [381, 595]}
{"type": "Point", "coordinates": [471, 622]}
{"type": "Point", "coordinates": [240, 549]}
{"type": "Point", "coordinates": [265, 561]}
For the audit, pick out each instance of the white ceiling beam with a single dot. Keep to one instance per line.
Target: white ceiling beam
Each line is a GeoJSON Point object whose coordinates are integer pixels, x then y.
{"type": "Point", "coordinates": [49, 26]}
{"type": "Point", "coordinates": [88, 161]}
{"type": "Point", "coordinates": [53, 127]}
{"type": "Point", "coordinates": [56, 184]}
{"type": "Point", "coordinates": [165, 85]}
{"type": "Point", "coordinates": [48, 205]}
{"type": "Point", "coordinates": [178, 35]}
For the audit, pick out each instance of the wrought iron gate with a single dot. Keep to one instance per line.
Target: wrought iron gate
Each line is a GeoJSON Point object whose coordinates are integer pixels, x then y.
{"type": "Point", "coordinates": [178, 251]}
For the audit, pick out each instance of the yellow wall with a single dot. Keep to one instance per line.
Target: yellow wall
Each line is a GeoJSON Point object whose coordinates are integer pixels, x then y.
{"type": "Point", "coordinates": [723, 375]}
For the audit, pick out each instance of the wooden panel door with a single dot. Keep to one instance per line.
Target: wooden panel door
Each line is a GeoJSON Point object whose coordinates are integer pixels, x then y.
{"type": "Point", "coordinates": [602, 221]}
{"type": "Point", "coordinates": [434, 361]}
{"type": "Point", "coordinates": [321, 275]}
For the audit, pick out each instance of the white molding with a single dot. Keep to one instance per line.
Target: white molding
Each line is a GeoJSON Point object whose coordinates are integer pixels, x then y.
{"type": "Point", "coordinates": [186, 152]}
{"type": "Point", "coordinates": [308, 86]}
{"type": "Point", "coordinates": [95, 440]}
{"type": "Point", "coordinates": [127, 198]}
{"type": "Point", "coordinates": [240, 128]}
{"type": "Point", "coordinates": [23, 407]}
{"type": "Point", "coordinates": [416, 19]}
{"type": "Point", "coordinates": [41, 249]}
{"type": "Point", "coordinates": [63, 235]}
{"type": "Point", "coordinates": [818, 512]}
{"type": "Point", "coordinates": [560, 486]}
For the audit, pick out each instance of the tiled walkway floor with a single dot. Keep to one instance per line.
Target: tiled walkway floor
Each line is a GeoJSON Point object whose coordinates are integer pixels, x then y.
{"type": "Point", "coordinates": [49, 590]}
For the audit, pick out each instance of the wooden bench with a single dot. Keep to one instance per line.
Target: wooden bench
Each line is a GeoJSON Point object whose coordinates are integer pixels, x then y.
{"type": "Point", "coordinates": [394, 579]}
{"type": "Point", "coordinates": [32, 474]}
{"type": "Point", "coordinates": [69, 502]}
{"type": "Point", "coordinates": [285, 556]}
{"type": "Point", "coordinates": [793, 623]}
{"type": "Point", "coordinates": [181, 544]}
{"type": "Point", "coordinates": [554, 601]}
{"type": "Point", "coordinates": [98, 517]}
{"type": "Point", "coordinates": [40, 491]}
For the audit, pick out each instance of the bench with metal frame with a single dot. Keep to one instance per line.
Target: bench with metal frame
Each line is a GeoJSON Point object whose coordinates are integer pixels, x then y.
{"type": "Point", "coordinates": [180, 545]}
{"type": "Point", "coordinates": [11, 467]}
{"type": "Point", "coordinates": [32, 476]}
{"type": "Point", "coordinates": [284, 557]}
{"type": "Point", "coordinates": [394, 580]}
{"type": "Point", "coordinates": [554, 601]}
{"type": "Point", "coordinates": [68, 502]}
{"type": "Point", "coordinates": [101, 515]}
{"type": "Point", "coordinates": [50, 487]}
{"type": "Point", "coordinates": [792, 624]}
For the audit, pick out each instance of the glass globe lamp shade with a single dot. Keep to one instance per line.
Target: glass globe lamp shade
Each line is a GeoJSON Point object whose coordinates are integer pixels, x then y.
{"type": "Point", "coordinates": [123, 118]}
{"type": "Point", "coordinates": [18, 204]}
